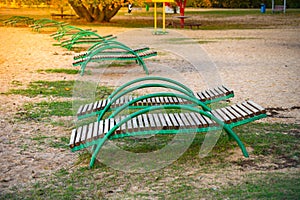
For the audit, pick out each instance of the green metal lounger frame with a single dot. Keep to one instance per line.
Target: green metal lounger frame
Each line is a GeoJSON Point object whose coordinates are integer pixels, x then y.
{"type": "Point", "coordinates": [120, 97]}
{"type": "Point", "coordinates": [18, 19]}
{"type": "Point", "coordinates": [46, 23]}
{"type": "Point", "coordinates": [200, 118]}
{"type": "Point", "coordinates": [67, 31]}
{"type": "Point", "coordinates": [85, 37]}
{"type": "Point", "coordinates": [99, 54]}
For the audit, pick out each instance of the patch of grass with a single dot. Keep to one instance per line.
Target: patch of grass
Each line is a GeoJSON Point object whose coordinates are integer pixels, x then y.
{"type": "Point", "coordinates": [61, 89]}
{"type": "Point", "coordinates": [16, 83]}
{"type": "Point", "coordinates": [64, 71]}
{"type": "Point", "coordinates": [38, 111]}
{"type": "Point", "coordinates": [279, 140]}
{"type": "Point", "coordinates": [46, 88]}
{"type": "Point", "coordinates": [265, 186]}
{"type": "Point", "coordinates": [189, 177]}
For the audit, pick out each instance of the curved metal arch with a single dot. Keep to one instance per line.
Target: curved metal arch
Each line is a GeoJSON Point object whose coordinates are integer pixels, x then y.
{"type": "Point", "coordinates": [151, 78]}
{"type": "Point", "coordinates": [114, 99]}
{"type": "Point", "coordinates": [227, 128]}
{"type": "Point", "coordinates": [102, 44]}
{"type": "Point", "coordinates": [85, 33]}
{"type": "Point", "coordinates": [163, 94]}
{"type": "Point", "coordinates": [63, 31]}
{"type": "Point", "coordinates": [114, 46]}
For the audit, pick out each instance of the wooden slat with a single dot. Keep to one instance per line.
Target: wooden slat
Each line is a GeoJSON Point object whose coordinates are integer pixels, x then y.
{"type": "Point", "coordinates": [123, 126]}
{"type": "Point", "coordinates": [246, 110]}
{"type": "Point", "coordinates": [146, 122]}
{"type": "Point", "coordinates": [180, 101]}
{"type": "Point", "coordinates": [112, 123]}
{"type": "Point", "coordinates": [217, 92]}
{"type": "Point", "coordinates": [202, 120]}
{"type": "Point", "coordinates": [161, 100]}
{"type": "Point", "coordinates": [90, 108]}
{"type": "Point", "coordinates": [178, 119]}
{"type": "Point", "coordinates": [214, 113]}
{"type": "Point", "coordinates": [72, 138]}
{"type": "Point", "coordinates": [191, 121]}
{"type": "Point", "coordinates": [99, 105]}
{"type": "Point", "coordinates": [262, 110]}
{"type": "Point", "coordinates": [104, 103]}
{"type": "Point", "coordinates": [210, 93]}
{"type": "Point", "coordinates": [238, 110]}
{"type": "Point", "coordinates": [95, 106]}
{"type": "Point", "coordinates": [151, 121]}
{"type": "Point", "coordinates": [100, 132]}
{"type": "Point", "coordinates": [78, 136]}
{"type": "Point", "coordinates": [79, 111]}
{"type": "Point", "coordinates": [235, 114]}
{"type": "Point", "coordinates": [209, 121]}
{"type": "Point", "coordinates": [184, 120]}
{"type": "Point", "coordinates": [171, 100]}
{"type": "Point", "coordinates": [174, 121]}
{"type": "Point", "coordinates": [122, 100]}
{"type": "Point", "coordinates": [157, 121]}
{"type": "Point", "coordinates": [167, 101]}
{"type": "Point", "coordinates": [95, 129]}
{"type": "Point", "coordinates": [249, 107]}
{"type": "Point", "coordinates": [84, 110]}
{"type": "Point", "coordinates": [163, 121]}
{"type": "Point", "coordinates": [168, 121]}
{"type": "Point", "coordinates": [223, 90]}
{"type": "Point", "coordinates": [129, 126]}
{"type": "Point", "coordinates": [135, 125]}
{"type": "Point", "coordinates": [232, 118]}
{"type": "Point", "coordinates": [196, 120]}
{"type": "Point", "coordinates": [225, 118]}
{"type": "Point", "coordinates": [140, 122]}
{"type": "Point", "coordinates": [205, 95]}
{"type": "Point", "coordinates": [200, 96]}
{"type": "Point", "coordinates": [84, 134]}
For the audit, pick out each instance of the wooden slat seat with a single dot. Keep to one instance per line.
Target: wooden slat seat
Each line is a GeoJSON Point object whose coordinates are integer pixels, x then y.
{"type": "Point", "coordinates": [137, 50]}
{"type": "Point", "coordinates": [97, 58]}
{"type": "Point", "coordinates": [99, 105]}
{"type": "Point", "coordinates": [165, 121]}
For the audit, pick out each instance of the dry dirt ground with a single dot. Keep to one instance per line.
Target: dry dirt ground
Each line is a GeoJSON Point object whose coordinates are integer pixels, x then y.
{"type": "Point", "coordinates": [262, 65]}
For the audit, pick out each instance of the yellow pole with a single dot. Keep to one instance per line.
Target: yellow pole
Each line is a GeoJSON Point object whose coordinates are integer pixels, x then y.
{"type": "Point", "coordinates": [155, 22]}
{"type": "Point", "coordinates": [164, 17]}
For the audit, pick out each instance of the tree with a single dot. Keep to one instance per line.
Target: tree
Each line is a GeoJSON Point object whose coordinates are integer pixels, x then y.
{"type": "Point", "coordinates": [97, 10]}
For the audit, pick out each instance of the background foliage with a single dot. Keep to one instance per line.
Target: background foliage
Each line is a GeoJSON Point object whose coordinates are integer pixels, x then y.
{"type": "Point", "coordinates": [190, 3]}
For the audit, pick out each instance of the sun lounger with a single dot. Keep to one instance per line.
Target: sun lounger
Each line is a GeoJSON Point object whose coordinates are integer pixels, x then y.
{"type": "Point", "coordinates": [193, 118]}
{"type": "Point", "coordinates": [113, 50]}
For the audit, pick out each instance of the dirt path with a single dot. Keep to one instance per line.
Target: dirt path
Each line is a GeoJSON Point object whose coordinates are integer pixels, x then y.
{"type": "Point", "coordinates": [262, 65]}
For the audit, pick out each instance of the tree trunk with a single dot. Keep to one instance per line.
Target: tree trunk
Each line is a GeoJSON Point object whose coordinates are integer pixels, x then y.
{"type": "Point", "coordinates": [92, 13]}
{"type": "Point", "coordinates": [81, 10]}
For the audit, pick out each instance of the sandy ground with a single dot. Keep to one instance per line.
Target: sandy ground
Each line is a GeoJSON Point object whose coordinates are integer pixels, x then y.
{"type": "Point", "coordinates": [262, 65]}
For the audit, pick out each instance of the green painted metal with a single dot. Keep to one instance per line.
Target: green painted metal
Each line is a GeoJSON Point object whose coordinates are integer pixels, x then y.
{"type": "Point", "coordinates": [114, 46]}
{"type": "Point", "coordinates": [150, 78]}
{"type": "Point", "coordinates": [169, 131]}
{"type": "Point", "coordinates": [179, 89]}
{"type": "Point", "coordinates": [46, 23]}
{"type": "Point", "coordinates": [227, 128]}
{"type": "Point", "coordinates": [107, 42]}
{"type": "Point", "coordinates": [162, 94]}
{"type": "Point", "coordinates": [65, 31]}
{"type": "Point", "coordinates": [18, 19]}
{"type": "Point", "coordinates": [84, 36]}
{"type": "Point", "coordinates": [98, 45]}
